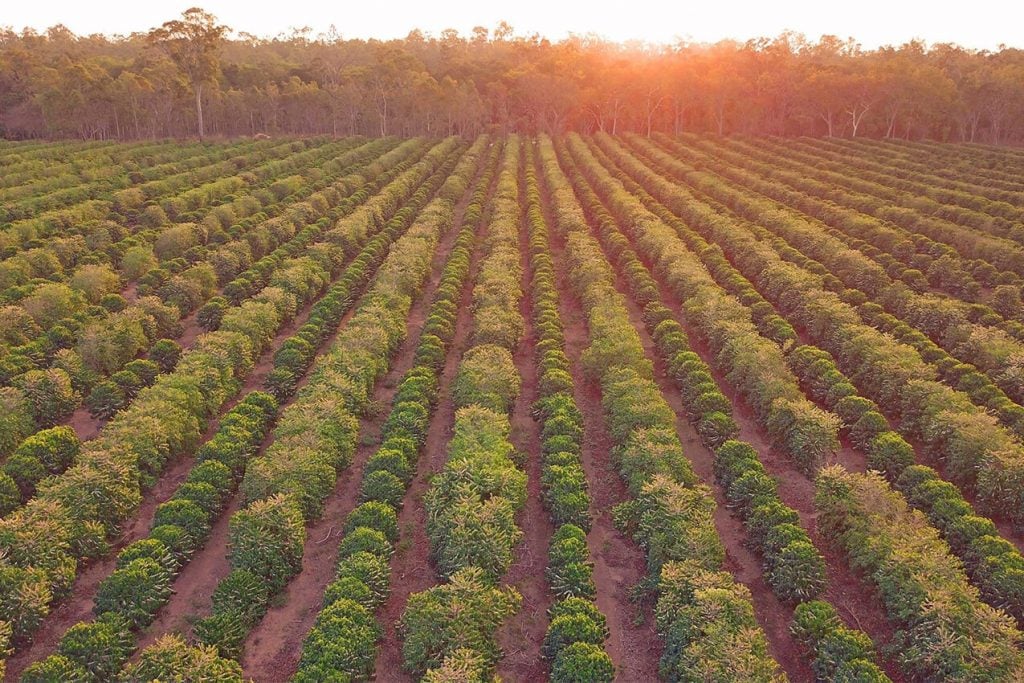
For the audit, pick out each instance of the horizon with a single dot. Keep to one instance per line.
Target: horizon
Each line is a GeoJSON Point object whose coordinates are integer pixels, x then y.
{"type": "Point", "coordinates": [876, 24]}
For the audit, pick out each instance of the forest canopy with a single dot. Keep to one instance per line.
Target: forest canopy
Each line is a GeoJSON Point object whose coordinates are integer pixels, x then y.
{"type": "Point", "coordinates": [57, 84]}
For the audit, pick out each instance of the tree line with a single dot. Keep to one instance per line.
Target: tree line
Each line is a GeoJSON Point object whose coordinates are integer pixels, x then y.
{"type": "Point", "coordinates": [188, 77]}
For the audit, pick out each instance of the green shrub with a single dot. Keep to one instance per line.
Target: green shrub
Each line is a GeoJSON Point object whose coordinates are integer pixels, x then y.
{"type": "Point", "coordinates": [49, 393]}
{"type": "Point", "coordinates": [572, 579]}
{"type": "Point", "coordinates": [135, 591]}
{"type": "Point", "coordinates": [582, 662]}
{"type": "Point", "coordinates": [175, 539]}
{"type": "Point", "coordinates": [100, 647]}
{"type": "Point", "coordinates": [364, 539]}
{"type": "Point", "coordinates": [890, 454]}
{"type": "Point", "coordinates": [387, 460]}
{"type": "Point", "coordinates": [165, 353]}
{"type": "Point", "coordinates": [375, 515]}
{"type": "Point", "coordinates": [383, 487]}
{"type": "Point", "coordinates": [204, 495]}
{"type": "Point", "coordinates": [871, 425]}
{"type": "Point", "coordinates": [10, 494]}
{"type": "Point", "coordinates": [440, 620]}
{"type": "Point", "coordinates": [341, 644]}
{"type": "Point", "coordinates": [56, 448]}
{"type": "Point", "coordinates": [241, 594]}
{"type": "Point", "coordinates": [145, 370]}
{"type": "Point", "coordinates": [563, 630]}
{"type": "Point", "coordinates": [186, 514]}
{"type": "Point", "coordinates": [171, 659]}
{"type": "Point", "coordinates": [26, 471]}
{"type": "Point", "coordinates": [56, 669]}
{"type": "Point", "coordinates": [152, 549]}
{"type": "Point", "coordinates": [715, 428]}
{"type": "Point", "coordinates": [267, 539]}
{"type": "Point", "coordinates": [105, 399]}
{"type": "Point", "coordinates": [371, 570]}
{"type": "Point", "coordinates": [797, 572]}
{"type": "Point", "coordinates": [487, 377]}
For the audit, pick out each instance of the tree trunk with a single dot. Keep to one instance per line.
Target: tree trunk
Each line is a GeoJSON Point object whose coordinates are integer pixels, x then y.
{"type": "Point", "coordinates": [199, 108]}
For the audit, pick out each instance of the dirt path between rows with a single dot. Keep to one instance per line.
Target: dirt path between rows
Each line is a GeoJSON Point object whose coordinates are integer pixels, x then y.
{"type": "Point", "coordinates": [619, 564]}
{"type": "Point", "coordinates": [274, 647]}
{"type": "Point", "coordinates": [522, 636]}
{"type": "Point", "coordinates": [411, 568]}
{"type": "Point", "coordinates": [773, 615]}
{"type": "Point", "coordinates": [857, 603]}
{"type": "Point", "coordinates": [194, 586]}
{"type": "Point", "coordinates": [197, 583]}
{"type": "Point", "coordinates": [79, 605]}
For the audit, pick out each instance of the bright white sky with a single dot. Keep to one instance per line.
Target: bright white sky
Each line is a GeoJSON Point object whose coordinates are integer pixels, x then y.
{"type": "Point", "coordinates": [976, 23]}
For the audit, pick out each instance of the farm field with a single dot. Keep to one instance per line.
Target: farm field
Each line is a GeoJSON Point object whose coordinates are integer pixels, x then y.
{"type": "Point", "coordinates": [577, 408]}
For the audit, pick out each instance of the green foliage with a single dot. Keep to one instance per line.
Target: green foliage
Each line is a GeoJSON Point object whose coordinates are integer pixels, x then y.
{"type": "Point", "coordinates": [581, 662]}
{"type": "Point", "coordinates": [243, 593]}
{"type": "Point", "coordinates": [364, 539]}
{"type": "Point", "coordinates": [170, 658]}
{"type": "Point", "coordinates": [487, 377]}
{"type": "Point", "coordinates": [926, 586]}
{"type": "Point", "coordinates": [384, 487]}
{"type": "Point", "coordinates": [10, 493]}
{"type": "Point", "coordinates": [465, 612]}
{"type": "Point", "coordinates": [16, 420]}
{"type": "Point", "coordinates": [569, 572]}
{"type": "Point", "coordinates": [817, 628]}
{"type": "Point", "coordinates": [56, 669]}
{"type": "Point", "coordinates": [710, 629]}
{"type": "Point", "coordinates": [342, 642]}
{"type": "Point", "coordinates": [374, 515]}
{"type": "Point", "coordinates": [797, 572]}
{"type": "Point", "coordinates": [100, 647]}
{"type": "Point", "coordinates": [672, 522]}
{"type": "Point", "coordinates": [49, 394]}
{"type": "Point", "coordinates": [472, 503]}
{"type": "Point", "coordinates": [165, 353]}
{"type": "Point", "coordinates": [267, 538]}
{"type": "Point", "coordinates": [135, 591]}
{"type": "Point", "coordinates": [105, 399]}
{"type": "Point", "coordinates": [563, 630]}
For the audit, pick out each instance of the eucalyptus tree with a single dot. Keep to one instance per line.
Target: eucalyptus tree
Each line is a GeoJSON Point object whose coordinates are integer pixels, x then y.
{"type": "Point", "coordinates": [193, 43]}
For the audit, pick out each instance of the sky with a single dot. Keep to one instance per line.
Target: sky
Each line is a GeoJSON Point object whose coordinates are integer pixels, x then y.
{"type": "Point", "coordinates": [981, 24]}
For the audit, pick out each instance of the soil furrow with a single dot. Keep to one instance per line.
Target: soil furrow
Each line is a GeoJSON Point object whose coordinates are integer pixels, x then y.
{"type": "Point", "coordinates": [857, 604]}
{"type": "Point", "coordinates": [79, 606]}
{"type": "Point", "coordinates": [619, 564]}
{"type": "Point", "coordinates": [274, 646]}
{"type": "Point", "coordinates": [522, 636]}
{"type": "Point", "coordinates": [411, 568]}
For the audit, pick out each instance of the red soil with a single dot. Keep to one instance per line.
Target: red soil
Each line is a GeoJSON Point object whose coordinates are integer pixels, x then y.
{"type": "Point", "coordinates": [273, 648]}
{"type": "Point", "coordinates": [522, 636]}
{"type": "Point", "coordinates": [194, 586]}
{"type": "Point", "coordinates": [411, 569]}
{"type": "Point", "coordinates": [619, 564]}
{"type": "Point", "coordinates": [79, 605]}
{"type": "Point", "coordinates": [856, 602]}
